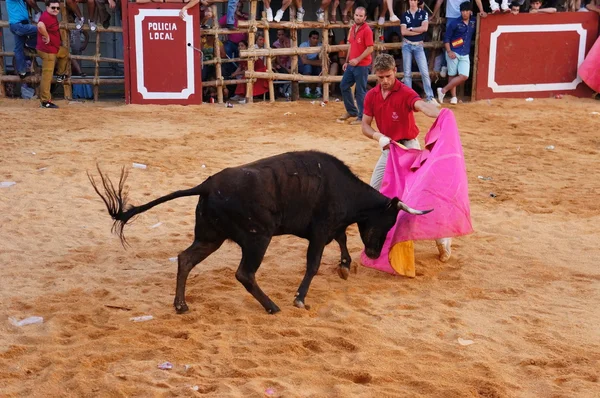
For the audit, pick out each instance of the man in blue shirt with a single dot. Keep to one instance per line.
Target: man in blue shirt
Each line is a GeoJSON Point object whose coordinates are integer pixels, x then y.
{"type": "Point", "coordinates": [457, 42]}
{"type": "Point", "coordinates": [25, 33]}
{"type": "Point", "coordinates": [310, 64]}
{"type": "Point", "coordinates": [413, 24]}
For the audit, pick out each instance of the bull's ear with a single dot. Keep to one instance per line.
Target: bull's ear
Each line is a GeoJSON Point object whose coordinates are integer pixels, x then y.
{"type": "Point", "coordinates": [393, 204]}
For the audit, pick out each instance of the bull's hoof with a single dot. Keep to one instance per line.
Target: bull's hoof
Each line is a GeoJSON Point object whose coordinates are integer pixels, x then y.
{"type": "Point", "coordinates": [273, 310]}
{"type": "Point", "coordinates": [343, 272]}
{"type": "Point", "coordinates": [181, 308]}
{"type": "Point", "coordinates": [300, 304]}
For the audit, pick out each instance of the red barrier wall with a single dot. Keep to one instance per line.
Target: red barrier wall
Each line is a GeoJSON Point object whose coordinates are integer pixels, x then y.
{"type": "Point", "coordinates": [533, 55]}
{"type": "Point", "coordinates": [161, 68]}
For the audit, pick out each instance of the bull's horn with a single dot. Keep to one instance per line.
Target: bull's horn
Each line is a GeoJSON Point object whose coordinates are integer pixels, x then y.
{"type": "Point", "coordinates": [402, 206]}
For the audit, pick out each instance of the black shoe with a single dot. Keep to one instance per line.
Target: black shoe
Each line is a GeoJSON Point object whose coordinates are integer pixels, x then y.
{"type": "Point", "coordinates": [106, 22]}
{"type": "Point", "coordinates": [48, 104]}
{"type": "Point", "coordinates": [60, 78]}
{"type": "Point", "coordinates": [231, 26]}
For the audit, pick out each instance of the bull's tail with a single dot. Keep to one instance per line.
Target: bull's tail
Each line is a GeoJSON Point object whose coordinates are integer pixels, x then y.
{"type": "Point", "coordinates": [115, 200]}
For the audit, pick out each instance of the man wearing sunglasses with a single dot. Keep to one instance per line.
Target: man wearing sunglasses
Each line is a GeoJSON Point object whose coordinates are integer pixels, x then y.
{"type": "Point", "coordinates": [50, 51]}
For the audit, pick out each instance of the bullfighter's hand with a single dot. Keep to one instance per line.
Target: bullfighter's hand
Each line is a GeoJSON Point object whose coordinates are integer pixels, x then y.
{"type": "Point", "coordinates": [384, 142]}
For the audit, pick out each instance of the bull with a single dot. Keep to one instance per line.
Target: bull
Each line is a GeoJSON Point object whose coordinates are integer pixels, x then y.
{"type": "Point", "coordinates": [308, 194]}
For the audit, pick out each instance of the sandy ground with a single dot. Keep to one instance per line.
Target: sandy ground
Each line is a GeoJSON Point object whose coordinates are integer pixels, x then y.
{"type": "Point", "coordinates": [524, 287]}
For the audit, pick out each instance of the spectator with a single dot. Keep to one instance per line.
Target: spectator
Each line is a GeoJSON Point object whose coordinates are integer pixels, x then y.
{"type": "Point", "coordinates": [231, 45]}
{"type": "Point", "coordinates": [593, 5]}
{"type": "Point", "coordinates": [457, 42]}
{"type": "Point", "coordinates": [284, 6]}
{"type": "Point", "coordinates": [333, 14]}
{"type": "Point", "coordinates": [515, 8]}
{"type": "Point", "coordinates": [334, 60]}
{"type": "Point", "coordinates": [260, 45]}
{"type": "Point", "coordinates": [388, 5]}
{"type": "Point", "coordinates": [260, 87]}
{"type": "Point", "coordinates": [25, 33]}
{"type": "Point", "coordinates": [80, 20]}
{"type": "Point", "coordinates": [49, 49]}
{"type": "Point", "coordinates": [414, 25]}
{"type": "Point", "coordinates": [79, 41]}
{"type": "Point", "coordinates": [311, 64]}
{"type": "Point", "coordinates": [208, 54]}
{"type": "Point", "coordinates": [283, 63]}
{"type": "Point", "coordinates": [496, 9]}
{"type": "Point", "coordinates": [536, 8]}
{"type": "Point", "coordinates": [356, 69]}
{"type": "Point", "coordinates": [453, 10]}
{"type": "Point", "coordinates": [104, 11]}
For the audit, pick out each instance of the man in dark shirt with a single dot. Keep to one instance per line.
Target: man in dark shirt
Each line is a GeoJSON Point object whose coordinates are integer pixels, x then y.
{"type": "Point", "coordinates": [457, 42]}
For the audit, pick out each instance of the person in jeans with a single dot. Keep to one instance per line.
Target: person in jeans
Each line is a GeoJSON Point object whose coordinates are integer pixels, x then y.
{"type": "Point", "coordinates": [356, 67]}
{"type": "Point", "coordinates": [25, 33]}
{"type": "Point", "coordinates": [50, 51]}
{"type": "Point", "coordinates": [392, 105]}
{"type": "Point", "coordinates": [413, 26]}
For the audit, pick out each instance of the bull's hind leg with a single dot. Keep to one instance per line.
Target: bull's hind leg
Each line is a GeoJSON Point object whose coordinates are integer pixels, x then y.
{"type": "Point", "coordinates": [186, 261]}
{"type": "Point", "coordinates": [252, 255]}
{"type": "Point", "coordinates": [313, 261]}
{"type": "Point", "coordinates": [346, 260]}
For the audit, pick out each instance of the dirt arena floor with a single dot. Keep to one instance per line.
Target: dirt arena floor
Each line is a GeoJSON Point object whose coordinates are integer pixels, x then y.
{"type": "Point", "coordinates": [525, 287]}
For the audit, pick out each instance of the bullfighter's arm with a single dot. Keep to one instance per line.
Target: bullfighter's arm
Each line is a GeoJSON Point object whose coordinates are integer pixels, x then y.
{"type": "Point", "coordinates": [427, 108]}
{"type": "Point", "coordinates": [368, 131]}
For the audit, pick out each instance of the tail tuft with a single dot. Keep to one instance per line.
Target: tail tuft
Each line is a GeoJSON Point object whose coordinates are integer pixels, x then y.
{"type": "Point", "coordinates": [115, 201]}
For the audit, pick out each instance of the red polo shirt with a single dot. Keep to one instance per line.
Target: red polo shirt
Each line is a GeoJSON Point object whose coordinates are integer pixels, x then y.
{"type": "Point", "coordinates": [394, 115]}
{"type": "Point", "coordinates": [359, 40]}
{"type": "Point", "coordinates": [52, 27]}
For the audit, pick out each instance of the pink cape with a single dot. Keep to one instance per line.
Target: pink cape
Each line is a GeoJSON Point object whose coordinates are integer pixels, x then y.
{"type": "Point", "coordinates": [433, 178]}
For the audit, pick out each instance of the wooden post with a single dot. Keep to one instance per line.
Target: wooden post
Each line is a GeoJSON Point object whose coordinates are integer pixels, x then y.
{"type": "Point", "coordinates": [2, 89]}
{"type": "Point", "coordinates": [97, 68]}
{"type": "Point", "coordinates": [218, 69]}
{"type": "Point", "coordinates": [269, 65]}
{"type": "Point", "coordinates": [66, 39]}
{"type": "Point", "coordinates": [251, 41]}
{"type": "Point", "coordinates": [294, 65]}
{"type": "Point", "coordinates": [475, 62]}
{"type": "Point", "coordinates": [325, 57]}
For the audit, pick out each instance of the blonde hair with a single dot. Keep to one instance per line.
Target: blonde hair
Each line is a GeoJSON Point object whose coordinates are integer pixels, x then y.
{"type": "Point", "coordinates": [384, 62]}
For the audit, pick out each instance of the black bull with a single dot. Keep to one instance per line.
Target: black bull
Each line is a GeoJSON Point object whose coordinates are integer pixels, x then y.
{"type": "Point", "coordinates": [311, 195]}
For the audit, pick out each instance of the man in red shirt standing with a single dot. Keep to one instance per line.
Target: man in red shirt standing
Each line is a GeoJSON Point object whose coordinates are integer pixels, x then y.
{"type": "Point", "coordinates": [49, 50]}
{"type": "Point", "coordinates": [393, 104]}
{"type": "Point", "coordinates": [356, 68]}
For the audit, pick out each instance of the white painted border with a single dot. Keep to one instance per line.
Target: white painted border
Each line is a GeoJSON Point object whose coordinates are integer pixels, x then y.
{"type": "Point", "coordinates": [511, 88]}
{"type": "Point", "coordinates": [139, 54]}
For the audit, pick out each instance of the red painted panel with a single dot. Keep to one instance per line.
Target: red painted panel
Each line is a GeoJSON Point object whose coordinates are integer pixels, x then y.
{"type": "Point", "coordinates": [163, 68]}
{"type": "Point", "coordinates": [532, 57]}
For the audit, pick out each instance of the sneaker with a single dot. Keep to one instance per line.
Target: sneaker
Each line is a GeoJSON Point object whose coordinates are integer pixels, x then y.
{"type": "Point", "coordinates": [60, 78]}
{"type": "Point", "coordinates": [356, 121]}
{"type": "Point", "coordinates": [444, 247]}
{"type": "Point", "coordinates": [381, 21]}
{"type": "Point", "coordinates": [79, 23]}
{"type": "Point", "coordinates": [269, 14]}
{"type": "Point", "coordinates": [318, 93]}
{"type": "Point", "coordinates": [344, 117]}
{"type": "Point", "coordinates": [454, 100]}
{"type": "Point", "coordinates": [441, 95]}
{"type": "Point", "coordinates": [300, 15]}
{"type": "Point", "coordinates": [24, 75]}
{"type": "Point", "coordinates": [92, 25]}
{"type": "Point", "coordinates": [36, 17]}
{"type": "Point", "coordinates": [394, 18]}
{"type": "Point", "coordinates": [278, 16]}
{"type": "Point", "coordinates": [48, 104]}
{"type": "Point", "coordinates": [320, 15]}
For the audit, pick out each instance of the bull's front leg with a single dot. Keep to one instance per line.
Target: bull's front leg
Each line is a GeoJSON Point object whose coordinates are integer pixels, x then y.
{"type": "Point", "coordinates": [313, 261]}
{"type": "Point", "coordinates": [346, 260]}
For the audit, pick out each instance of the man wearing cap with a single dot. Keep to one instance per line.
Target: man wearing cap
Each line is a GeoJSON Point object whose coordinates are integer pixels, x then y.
{"type": "Point", "coordinates": [457, 42]}
{"type": "Point", "coordinates": [392, 105]}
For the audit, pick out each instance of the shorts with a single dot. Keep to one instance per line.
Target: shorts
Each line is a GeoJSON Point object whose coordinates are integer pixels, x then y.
{"type": "Point", "coordinates": [459, 65]}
